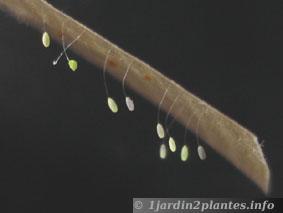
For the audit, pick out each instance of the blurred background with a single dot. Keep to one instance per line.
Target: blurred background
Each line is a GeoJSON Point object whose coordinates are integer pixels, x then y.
{"type": "Point", "coordinates": [59, 143]}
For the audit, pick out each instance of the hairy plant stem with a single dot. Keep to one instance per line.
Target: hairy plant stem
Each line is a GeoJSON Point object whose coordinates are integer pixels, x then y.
{"type": "Point", "coordinates": [234, 142]}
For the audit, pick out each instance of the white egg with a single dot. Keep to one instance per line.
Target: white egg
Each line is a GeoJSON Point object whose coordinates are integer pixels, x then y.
{"type": "Point", "coordinates": [162, 151]}
{"type": "Point", "coordinates": [201, 152]}
{"type": "Point", "coordinates": [130, 104]}
{"type": "Point", "coordinates": [160, 131]}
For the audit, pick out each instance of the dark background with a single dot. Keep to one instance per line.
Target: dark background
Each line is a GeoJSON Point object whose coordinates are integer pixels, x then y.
{"type": "Point", "coordinates": [60, 144]}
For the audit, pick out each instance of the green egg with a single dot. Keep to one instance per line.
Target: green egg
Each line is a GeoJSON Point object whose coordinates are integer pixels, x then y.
{"type": "Point", "coordinates": [112, 105]}
{"type": "Point", "coordinates": [73, 64]}
{"type": "Point", "coordinates": [172, 144]}
{"type": "Point", "coordinates": [184, 153]}
{"type": "Point", "coordinates": [45, 39]}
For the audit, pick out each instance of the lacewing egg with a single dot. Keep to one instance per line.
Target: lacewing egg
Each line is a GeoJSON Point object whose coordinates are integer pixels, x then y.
{"type": "Point", "coordinates": [45, 39]}
{"type": "Point", "coordinates": [112, 105]}
{"type": "Point", "coordinates": [184, 153]}
{"type": "Point", "coordinates": [160, 131]}
{"type": "Point", "coordinates": [73, 64]}
{"type": "Point", "coordinates": [201, 152]}
{"type": "Point", "coordinates": [130, 104]}
{"type": "Point", "coordinates": [172, 144]}
{"type": "Point", "coordinates": [162, 151]}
